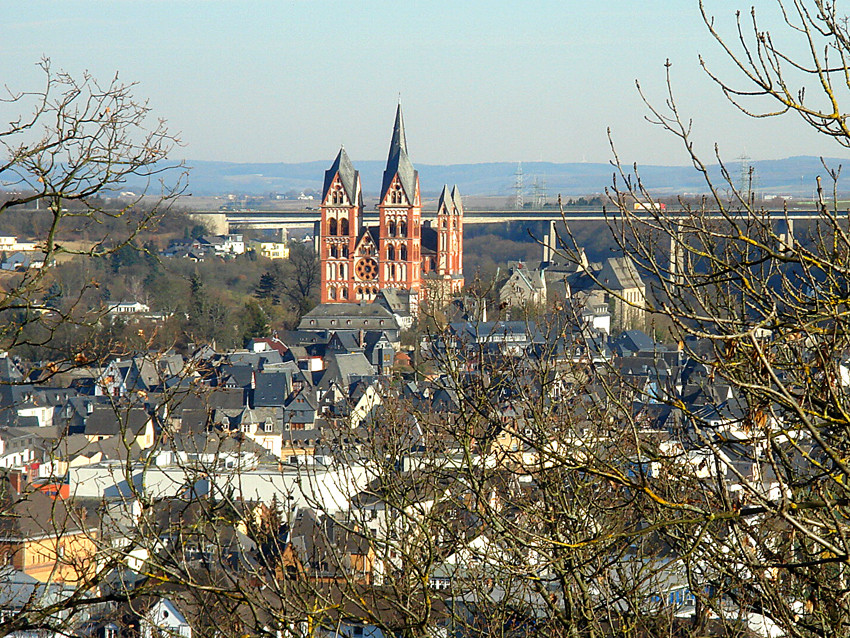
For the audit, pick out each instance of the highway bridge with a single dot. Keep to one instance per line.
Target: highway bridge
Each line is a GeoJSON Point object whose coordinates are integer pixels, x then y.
{"type": "Point", "coordinates": [235, 220]}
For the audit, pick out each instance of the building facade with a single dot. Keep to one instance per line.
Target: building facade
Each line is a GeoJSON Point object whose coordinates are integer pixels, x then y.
{"type": "Point", "coordinates": [358, 261]}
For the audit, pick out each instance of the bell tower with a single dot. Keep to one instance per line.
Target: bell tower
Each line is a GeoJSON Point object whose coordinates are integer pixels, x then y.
{"type": "Point", "coordinates": [342, 218]}
{"type": "Point", "coordinates": [449, 266]}
{"type": "Point", "coordinates": [400, 217]}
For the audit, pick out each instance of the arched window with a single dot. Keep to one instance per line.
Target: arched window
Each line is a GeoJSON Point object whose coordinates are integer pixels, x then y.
{"type": "Point", "coordinates": [402, 229]}
{"type": "Point", "coordinates": [391, 229]}
{"type": "Point", "coordinates": [337, 196]}
{"type": "Point", "coordinates": [345, 293]}
{"type": "Point", "coordinates": [397, 196]}
{"type": "Point", "coordinates": [334, 251]}
{"type": "Point", "coordinates": [345, 251]}
{"type": "Point", "coordinates": [332, 293]}
{"type": "Point", "coordinates": [343, 226]}
{"type": "Point", "coordinates": [332, 226]}
{"type": "Point", "coordinates": [391, 252]}
{"type": "Point", "coordinates": [403, 253]}
{"type": "Point", "coordinates": [392, 271]}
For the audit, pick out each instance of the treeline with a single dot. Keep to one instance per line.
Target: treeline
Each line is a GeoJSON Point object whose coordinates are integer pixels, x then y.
{"type": "Point", "coordinates": [220, 301]}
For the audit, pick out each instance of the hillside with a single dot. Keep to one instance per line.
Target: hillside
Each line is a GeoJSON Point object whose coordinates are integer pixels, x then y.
{"type": "Point", "coordinates": [792, 176]}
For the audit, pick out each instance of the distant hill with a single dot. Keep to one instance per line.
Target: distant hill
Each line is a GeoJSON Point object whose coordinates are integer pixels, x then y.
{"type": "Point", "coordinates": [792, 176]}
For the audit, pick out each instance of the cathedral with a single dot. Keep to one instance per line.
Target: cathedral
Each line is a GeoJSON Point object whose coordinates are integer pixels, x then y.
{"type": "Point", "coordinates": [401, 252]}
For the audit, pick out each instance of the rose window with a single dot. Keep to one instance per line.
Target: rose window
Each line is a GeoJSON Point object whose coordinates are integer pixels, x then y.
{"type": "Point", "coordinates": [367, 269]}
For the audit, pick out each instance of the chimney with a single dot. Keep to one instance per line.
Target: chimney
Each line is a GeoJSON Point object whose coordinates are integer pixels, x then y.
{"type": "Point", "coordinates": [16, 480]}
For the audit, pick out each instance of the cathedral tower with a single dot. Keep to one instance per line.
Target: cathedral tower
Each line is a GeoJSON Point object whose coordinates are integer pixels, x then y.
{"type": "Point", "coordinates": [400, 217]}
{"type": "Point", "coordinates": [358, 261]}
{"type": "Point", "coordinates": [342, 219]}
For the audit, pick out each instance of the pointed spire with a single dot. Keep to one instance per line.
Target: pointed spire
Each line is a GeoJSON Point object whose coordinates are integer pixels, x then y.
{"type": "Point", "coordinates": [457, 200]}
{"type": "Point", "coordinates": [342, 165]}
{"type": "Point", "coordinates": [398, 163]}
{"type": "Point", "coordinates": [445, 201]}
{"type": "Point", "coordinates": [399, 141]}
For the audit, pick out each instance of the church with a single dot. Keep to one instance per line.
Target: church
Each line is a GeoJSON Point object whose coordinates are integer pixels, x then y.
{"type": "Point", "coordinates": [401, 252]}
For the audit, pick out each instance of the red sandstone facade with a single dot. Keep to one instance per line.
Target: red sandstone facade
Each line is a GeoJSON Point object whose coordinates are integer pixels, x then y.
{"type": "Point", "coordinates": [402, 253]}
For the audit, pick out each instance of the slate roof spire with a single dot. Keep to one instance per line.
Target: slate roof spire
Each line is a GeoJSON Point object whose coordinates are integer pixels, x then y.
{"type": "Point", "coordinates": [399, 141]}
{"type": "Point", "coordinates": [398, 161]}
{"type": "Point", "coordinates": [342, 165]}
{"type": "Point", "coordinates": [445, 200]}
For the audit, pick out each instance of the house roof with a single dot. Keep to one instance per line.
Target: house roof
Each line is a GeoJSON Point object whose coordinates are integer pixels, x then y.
{"type": "Point", "coordinates": [109, 421]}
{"type": "Point", "coordinates": [345, 368]}
{"type": "Point", "coordinates": [32, 515]}
{"type": "Point", "coordinates": [335, 316]}
{"type": "Point", "coordinates": [619, 273]}
{"type": "Point", "coordinates": [272, 388]}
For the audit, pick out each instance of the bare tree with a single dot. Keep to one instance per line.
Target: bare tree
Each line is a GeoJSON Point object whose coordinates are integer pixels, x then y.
{"type": "Point", "coordinates": [76, 142]}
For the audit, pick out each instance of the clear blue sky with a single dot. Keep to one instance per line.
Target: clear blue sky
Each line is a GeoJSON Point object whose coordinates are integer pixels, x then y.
{"type": "Point", "coordinates": [278, 81]}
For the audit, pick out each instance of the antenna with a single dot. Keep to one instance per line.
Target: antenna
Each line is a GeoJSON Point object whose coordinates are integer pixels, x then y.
{"type": "Point", "coordinates": [518, 201]}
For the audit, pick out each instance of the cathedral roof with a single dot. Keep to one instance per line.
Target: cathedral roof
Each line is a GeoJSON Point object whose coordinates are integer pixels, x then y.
{"type": "Point", "coordinates": [445, 200]}
{"type": "Point", "coordinates": [456, 199]}
{"type": "Point", "coordinates": [347, 175]}
{"type": "Point", "coordinates": [451, 200]}
{"type": "Point", "coordinates": [398, 162]}
{"type": "Point", "coordinates": [428, 239]}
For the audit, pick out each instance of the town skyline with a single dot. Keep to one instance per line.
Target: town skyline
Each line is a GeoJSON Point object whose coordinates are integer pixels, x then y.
{"type": "Point", "coordinates": [479, 82]}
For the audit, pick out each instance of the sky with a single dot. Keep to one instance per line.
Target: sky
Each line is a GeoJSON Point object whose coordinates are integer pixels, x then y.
{"type": "Point", "coordinates": [291, 81]}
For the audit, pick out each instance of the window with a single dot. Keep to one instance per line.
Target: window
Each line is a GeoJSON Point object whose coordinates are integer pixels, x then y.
{"type": "Point", "coordinates": [396, 195]}
{"type": "Point", "coordinates": [391, 252]}
{"type": "Point", "coordinates": [337, 195]}
{"type": "Point", "coordinates": [403, 253]}
{"type": "Point", "coordinates": [268, 426]}
{"type": "Point", "coordinates": [402, 228]}
{"type": "Point", "coordinates": [343, 226]}
{"type": "Point", "coordinates": [391, 229]}
{"type": "Point", "coordinates": [332, 226]}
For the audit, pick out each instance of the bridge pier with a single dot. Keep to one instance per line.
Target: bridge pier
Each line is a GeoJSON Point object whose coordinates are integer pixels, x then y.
{"type": "Point", "coordinates": [785, 235]}
{"type": "Point", "coordinates": [676, 256]}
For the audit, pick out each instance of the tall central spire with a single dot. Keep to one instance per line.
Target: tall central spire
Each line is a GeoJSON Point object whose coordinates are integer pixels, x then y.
{"type": "Point", "coordinates": [399, 141]}
{"type": "Point", "coordinates": [398, 163]}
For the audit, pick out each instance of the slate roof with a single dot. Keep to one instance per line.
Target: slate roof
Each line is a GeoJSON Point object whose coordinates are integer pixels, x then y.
{"type": "Point", "coordinates": [206, 398]}
{"type": "Point", "coordinates": [456, 198]}
{"type": "Point", "coordinates": [345, 369]}
{"type": "Point", "coordinates": [347, 175]}
{"type": "Point", "coordinates": [106, 421]}
{"type": "Point", "coordinates": [633, 341]}
{"type": "Point", "coordinates": [395, 300]}
{"type": "Point", "coordinates": [619, 273]}
{"type": "Point", "coordinates": [36, 515]}
{"type": "Point", "coordinates": [257, 360]}
{"type": "Point", "coordinates": [428, 239]}
{"type": "Point", "coordinates": [242, 374]}
{"type": "Point", "coordinates": [398, 162]}
{"type": "Point", "coordinates": [272, 388]}
{"type": "Point", "coordinates": [9, 372]}
{"type": "Point", "coordinates": [334, 316]}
